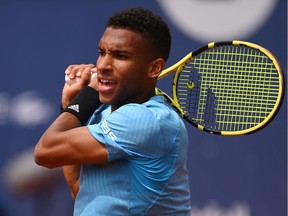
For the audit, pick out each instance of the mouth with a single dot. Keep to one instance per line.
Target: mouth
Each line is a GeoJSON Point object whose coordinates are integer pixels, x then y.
{"type": "Point", "coordinates": [106, 86]}
{"type": "Point", "coordinates": [107, 82]}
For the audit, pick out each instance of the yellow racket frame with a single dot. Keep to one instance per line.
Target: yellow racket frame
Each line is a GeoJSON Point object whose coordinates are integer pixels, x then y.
{"type": "Point", "coordinates": [180, 64]}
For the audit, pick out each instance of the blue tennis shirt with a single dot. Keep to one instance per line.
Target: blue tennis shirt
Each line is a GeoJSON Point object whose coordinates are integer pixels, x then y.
{"type": "Point", "coordinates": [146, 173]}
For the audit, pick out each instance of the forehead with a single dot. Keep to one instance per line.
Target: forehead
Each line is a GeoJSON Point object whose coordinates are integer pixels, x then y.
{"type": "Point", "coordinates": [121, 39]}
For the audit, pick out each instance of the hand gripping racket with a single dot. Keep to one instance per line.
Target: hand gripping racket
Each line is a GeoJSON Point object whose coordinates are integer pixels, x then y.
{"type": "Point", "coordinates": [227, 88]}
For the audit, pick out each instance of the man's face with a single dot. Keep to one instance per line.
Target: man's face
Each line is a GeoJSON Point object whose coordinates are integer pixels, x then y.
{"type": "Point", "coordinates": [123, 64]}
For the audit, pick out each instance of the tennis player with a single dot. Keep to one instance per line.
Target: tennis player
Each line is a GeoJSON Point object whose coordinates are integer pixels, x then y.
{"type": "Point", "coordinates": [122, 148]}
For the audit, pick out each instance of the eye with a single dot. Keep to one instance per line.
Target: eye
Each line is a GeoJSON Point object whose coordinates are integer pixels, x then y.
{"type": "Point", "coordinates": [101, 53]}
{"type": "Point", "coordinates": [120, 56]}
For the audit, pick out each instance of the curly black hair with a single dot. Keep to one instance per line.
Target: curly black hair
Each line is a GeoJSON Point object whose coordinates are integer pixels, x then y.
{"type": "Point", "coordinates": [151, 26]}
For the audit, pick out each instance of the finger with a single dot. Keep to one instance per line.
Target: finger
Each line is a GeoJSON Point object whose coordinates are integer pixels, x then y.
{"type": "Point", "coordinates": [68, 70]}
{"type": "Point", "coordinates": [94, 81]}
{"type": "Point", "coordinates": [85, 76]}
{"type": "Point", "coordinates": [78, 69]}
{"type": "Point", "coordinates": [94, 70]}
{"type": "Point", "coordinates": [71, 71]}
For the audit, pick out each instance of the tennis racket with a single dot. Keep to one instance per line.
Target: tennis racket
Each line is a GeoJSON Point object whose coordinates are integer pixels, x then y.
{"type": "Point", "coordinates": [227, 88]}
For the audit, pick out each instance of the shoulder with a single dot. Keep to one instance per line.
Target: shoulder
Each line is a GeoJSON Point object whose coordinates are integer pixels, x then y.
{"type": "Point", "coordinates": [155, 115]}
{"type": "Point", "coordinates": [155, 106]}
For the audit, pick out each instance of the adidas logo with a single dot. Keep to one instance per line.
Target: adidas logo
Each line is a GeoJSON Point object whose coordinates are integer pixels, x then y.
{"type": "Point", "coordinates": [74, 107]}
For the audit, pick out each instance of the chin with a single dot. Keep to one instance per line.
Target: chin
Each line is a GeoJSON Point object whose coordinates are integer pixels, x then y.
{"type": "Point", "coordinates": [104, 99]}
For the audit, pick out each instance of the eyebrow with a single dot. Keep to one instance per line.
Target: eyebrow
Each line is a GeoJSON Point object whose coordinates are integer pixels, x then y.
{"type": "Point", "coordinates": [115, 51]}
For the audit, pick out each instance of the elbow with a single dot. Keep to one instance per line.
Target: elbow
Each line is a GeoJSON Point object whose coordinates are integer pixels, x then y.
{"type": "Point", "coordinates": [42, 158]}
{"type": "Point", "coordinates": [38, 158]}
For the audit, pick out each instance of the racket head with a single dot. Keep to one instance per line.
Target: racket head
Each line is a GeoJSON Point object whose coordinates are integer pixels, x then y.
{"type": "Point", "coordinates": [229, 88]}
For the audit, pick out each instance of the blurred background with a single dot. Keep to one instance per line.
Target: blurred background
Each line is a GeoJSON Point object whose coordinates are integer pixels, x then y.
{"type": "Point", "coordinates": [229, 176]}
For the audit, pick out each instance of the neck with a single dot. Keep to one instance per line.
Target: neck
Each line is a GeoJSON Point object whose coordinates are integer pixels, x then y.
{"type": "Point", "coordinates": [138, 100]}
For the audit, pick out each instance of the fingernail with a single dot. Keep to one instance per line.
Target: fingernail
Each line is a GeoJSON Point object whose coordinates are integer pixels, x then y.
{"type": "Point", "coordinates": [87, 71]}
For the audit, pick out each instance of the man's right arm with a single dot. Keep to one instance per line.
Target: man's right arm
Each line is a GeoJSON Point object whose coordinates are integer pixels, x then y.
{"type": "Point", "coordinates": [68, 144]}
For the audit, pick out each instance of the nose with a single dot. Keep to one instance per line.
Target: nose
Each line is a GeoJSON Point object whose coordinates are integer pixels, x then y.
{"type": "Point", "coordinates": [104, 63]}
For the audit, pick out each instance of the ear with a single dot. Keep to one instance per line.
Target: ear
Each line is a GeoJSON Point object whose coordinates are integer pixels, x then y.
{"type": "Point", "coordinates": [156, 68]}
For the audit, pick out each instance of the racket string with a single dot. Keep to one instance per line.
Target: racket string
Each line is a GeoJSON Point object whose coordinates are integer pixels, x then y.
{"type": "Point", "coordinates": [230, 92]}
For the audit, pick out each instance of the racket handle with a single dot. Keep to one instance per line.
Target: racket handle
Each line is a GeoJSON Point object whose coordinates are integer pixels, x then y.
{"type": "Point", "coordinates": [71, 81]}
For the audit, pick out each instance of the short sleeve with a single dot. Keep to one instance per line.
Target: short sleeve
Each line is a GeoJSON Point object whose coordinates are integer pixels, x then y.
{"type": "Point", "coordinates": [132, 130]}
